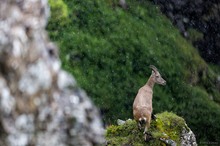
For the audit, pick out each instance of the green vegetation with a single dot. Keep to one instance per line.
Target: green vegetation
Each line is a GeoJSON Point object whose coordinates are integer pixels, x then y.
{"type": "Point", "coordinates": [167, 125]}
{"type": "Point", "coordinates": [109, 50]}
{"type": "Point", "coordinates": [59, 14]}
{"type": "Point", "coordinates": [194, 35]}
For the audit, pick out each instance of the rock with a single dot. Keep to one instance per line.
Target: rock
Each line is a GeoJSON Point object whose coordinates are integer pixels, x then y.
{"type": "Point", "coordinates": [120, 122]}
{"type": "Point", "coordinates": [168, 129]}
{"type": "Point", "coordinates": [169, 142]}
{"type": "Point", "coordinates": [187, 137]}
{"type": "Point", "coordinates": [41, 104]}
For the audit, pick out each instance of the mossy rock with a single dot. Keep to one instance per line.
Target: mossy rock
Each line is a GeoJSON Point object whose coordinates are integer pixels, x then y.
{"type": "Point", "coordinates": [167, 125]}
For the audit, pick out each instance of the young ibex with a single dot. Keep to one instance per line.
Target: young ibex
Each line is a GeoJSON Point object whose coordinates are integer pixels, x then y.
{"type": "Point", "coordinates": [142, 106]}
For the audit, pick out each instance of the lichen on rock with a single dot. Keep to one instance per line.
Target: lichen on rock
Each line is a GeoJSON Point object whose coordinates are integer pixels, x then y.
{"type": "Point", "coordinates": [166, 129]}
{"type": "Point", "coordinates": [40, 104]}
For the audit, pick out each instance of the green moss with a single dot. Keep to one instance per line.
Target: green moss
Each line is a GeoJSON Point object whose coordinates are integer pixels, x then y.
{"type": "Point", "coordinates": [167, 125]}
{"type": "Point", "coordinates": [59, 15]}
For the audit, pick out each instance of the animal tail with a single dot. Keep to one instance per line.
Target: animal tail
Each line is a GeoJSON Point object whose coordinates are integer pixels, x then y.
{"type": "Point", "coordinates": [142, 121]}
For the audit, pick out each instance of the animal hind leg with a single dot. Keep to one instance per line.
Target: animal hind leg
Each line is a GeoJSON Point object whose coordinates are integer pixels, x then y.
{"type": "Point", "coordinates": [147, 135]}
{"type": "Point", "coordinates": [147, 126]}
{"type": "Point", "coordinates": [139, 125]}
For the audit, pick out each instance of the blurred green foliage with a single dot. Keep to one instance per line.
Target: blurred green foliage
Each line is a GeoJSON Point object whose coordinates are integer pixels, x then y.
{"type": "Point", "coordinates": [59, 14]}
{"type": "Point", "coordinates": [194, 35]}
{"type": "Point", "coordinates": [109, 49]}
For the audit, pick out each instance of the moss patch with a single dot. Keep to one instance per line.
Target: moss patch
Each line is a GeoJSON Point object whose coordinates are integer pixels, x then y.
{"type": "Point", "coordinates": [167, 125]}
{"type": "Point", "coordinates": [59, 15]}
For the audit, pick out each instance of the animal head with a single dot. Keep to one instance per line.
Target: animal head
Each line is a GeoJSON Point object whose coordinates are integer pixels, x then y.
{"type": "Point", "coordinates": [156, 76]}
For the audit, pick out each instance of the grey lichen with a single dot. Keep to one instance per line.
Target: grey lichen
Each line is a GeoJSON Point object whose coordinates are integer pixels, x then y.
{"type": "Point", "coordinates": [187, 137]}
{"type": "Point", "coordinates": [35, 75]}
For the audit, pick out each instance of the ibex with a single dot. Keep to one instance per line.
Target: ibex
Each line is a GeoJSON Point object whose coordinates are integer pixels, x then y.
{"type": "Point", "coordinates": [142, 106]}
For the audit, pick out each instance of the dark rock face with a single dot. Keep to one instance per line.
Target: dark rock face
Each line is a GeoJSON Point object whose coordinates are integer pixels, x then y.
{"type": "Point", "coordinates": [202, 15]}
{"type": "Point", "coordinates": [40, 104]}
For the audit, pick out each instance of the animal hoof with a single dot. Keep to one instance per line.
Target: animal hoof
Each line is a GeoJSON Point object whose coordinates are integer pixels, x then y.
{"type": "Point", "coordinates": [147, 137]}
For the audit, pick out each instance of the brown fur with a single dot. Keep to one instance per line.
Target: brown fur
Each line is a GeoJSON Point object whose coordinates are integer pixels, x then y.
{"type": "Point", "coordinates": [142, 106]}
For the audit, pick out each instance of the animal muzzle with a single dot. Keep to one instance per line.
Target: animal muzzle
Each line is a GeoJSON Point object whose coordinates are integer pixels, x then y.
{"type": "Point", "coordinates": [164, 83]}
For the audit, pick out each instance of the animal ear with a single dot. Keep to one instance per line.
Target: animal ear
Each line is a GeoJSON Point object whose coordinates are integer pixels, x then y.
{"type": "Point", "coordinates": [153, 72]}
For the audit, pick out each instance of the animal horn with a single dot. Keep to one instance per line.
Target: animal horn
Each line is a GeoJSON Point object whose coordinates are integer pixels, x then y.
{"type": "Point", "coordinates": [153, 68]}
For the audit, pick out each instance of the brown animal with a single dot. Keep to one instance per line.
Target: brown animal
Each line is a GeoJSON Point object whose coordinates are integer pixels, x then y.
{"type": "Point", "coordinates": [142, 106]}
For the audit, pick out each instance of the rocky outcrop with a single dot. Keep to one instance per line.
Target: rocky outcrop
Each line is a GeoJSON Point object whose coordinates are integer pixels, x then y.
{"type": "Point", "coordinates": [167, 129]}
{"type": "Point", "coordinates": [40, 104]}
{"type": "Point", "coordinates": [187, 137]}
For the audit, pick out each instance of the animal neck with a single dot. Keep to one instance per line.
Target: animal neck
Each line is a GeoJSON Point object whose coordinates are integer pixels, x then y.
{"type": "Point", "coordinates": [150, 82]}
